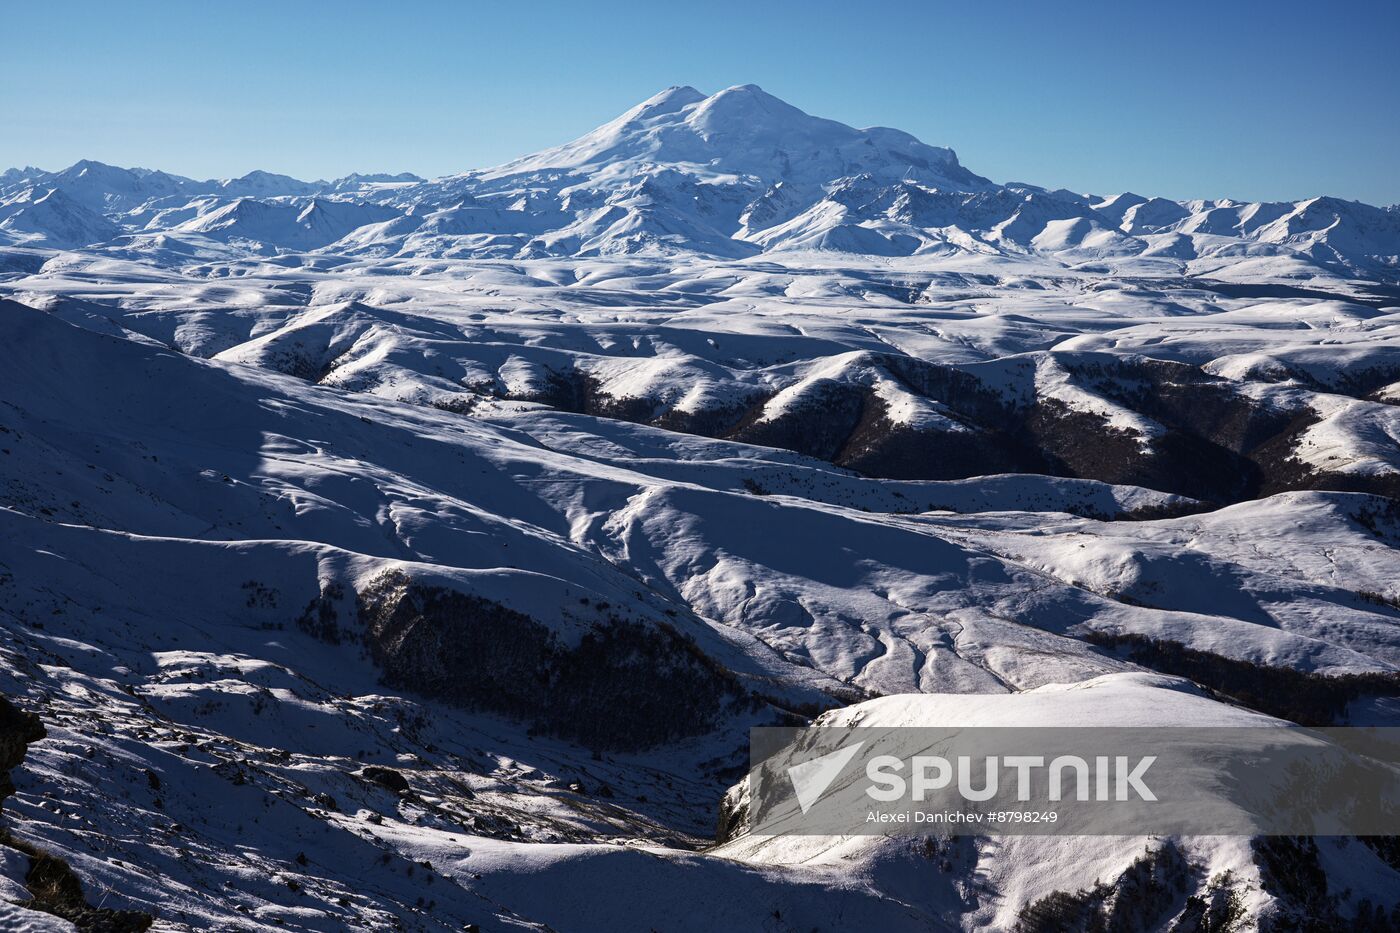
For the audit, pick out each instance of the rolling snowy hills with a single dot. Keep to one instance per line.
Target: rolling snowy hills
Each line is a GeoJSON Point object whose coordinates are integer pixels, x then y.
{"type": "Point", "coordinates": [390, 553]}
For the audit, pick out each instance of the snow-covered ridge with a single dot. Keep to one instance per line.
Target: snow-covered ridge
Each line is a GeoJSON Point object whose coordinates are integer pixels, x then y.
{"type": "Point", "coordinates": [732, 174]}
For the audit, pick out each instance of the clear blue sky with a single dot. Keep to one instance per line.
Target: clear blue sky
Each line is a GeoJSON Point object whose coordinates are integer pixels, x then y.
{"type": "Point", "coordinates": [1228, 98]}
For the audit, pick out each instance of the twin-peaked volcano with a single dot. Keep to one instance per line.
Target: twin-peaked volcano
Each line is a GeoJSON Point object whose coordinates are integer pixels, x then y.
{"type": "Point", "coordinates": [744, 131]}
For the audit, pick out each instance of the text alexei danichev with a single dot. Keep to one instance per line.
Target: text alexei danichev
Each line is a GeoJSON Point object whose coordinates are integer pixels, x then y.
{"type": "Point", "coordinates": [963, 816]}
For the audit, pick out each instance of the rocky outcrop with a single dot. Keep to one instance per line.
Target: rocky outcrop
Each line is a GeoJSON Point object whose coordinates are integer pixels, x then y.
{"type": "Point", "coordinates": [17, 730]}
{"type": "Point", "coordinates": [627, 683]}
{"type": "Point", "coordinates": [54, 887]}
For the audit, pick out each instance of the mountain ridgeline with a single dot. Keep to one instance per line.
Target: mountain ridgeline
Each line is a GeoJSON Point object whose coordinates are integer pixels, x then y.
{"type": "Point", "coordinates": [731, 175]}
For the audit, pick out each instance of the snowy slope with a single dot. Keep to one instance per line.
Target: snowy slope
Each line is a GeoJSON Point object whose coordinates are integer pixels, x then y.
{"type": "Point", "coordinates": [1013, 872]}
{"type": "Point", "coordinates": [48, 217]}
{"type": "Point", "coordinates": [277, 508]}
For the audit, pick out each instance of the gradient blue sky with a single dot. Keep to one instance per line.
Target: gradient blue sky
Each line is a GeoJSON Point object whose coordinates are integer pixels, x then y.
{"type": "Point", "coordinates": [1229, 98]}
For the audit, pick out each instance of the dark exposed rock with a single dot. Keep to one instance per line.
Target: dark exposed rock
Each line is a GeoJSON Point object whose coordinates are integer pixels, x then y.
{"type": "Point", "coordinates": [1218, 444]}
{"type": "Point", "coordinates": [17, 730]}
{"type": "Point", "coordinates": [733, 817]}
{"type": "Point", "coordinates": [818, 426]}
{"type": "Point", "coordinates": [576, 391]}
{"type": "Point", "coordinates": [52, 884]}
{"type": "Point", "coordinates": [879, 447]}
{"type": "Point", "coordinates": [626, 683]}
{"type": "Point", "coordinates": [56, 890]}
{"type": "Point", "coordinates": [387, 778]}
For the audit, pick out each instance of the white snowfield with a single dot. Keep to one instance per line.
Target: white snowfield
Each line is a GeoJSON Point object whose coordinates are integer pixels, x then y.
{"type": "Point", "coordinates": [541, 484]}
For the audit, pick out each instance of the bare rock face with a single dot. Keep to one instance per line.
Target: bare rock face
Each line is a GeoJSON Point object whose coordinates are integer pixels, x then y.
{"type": "Point", "coordinates": [387, 778]}
{"type": "Point", "coordinates": [17, 730]}
{"type": "Point", "coordinates": [626, 684]}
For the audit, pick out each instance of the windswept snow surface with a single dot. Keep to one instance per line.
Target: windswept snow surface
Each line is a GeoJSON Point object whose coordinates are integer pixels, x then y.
{"type": "Point", "coordinates": [540, 484]}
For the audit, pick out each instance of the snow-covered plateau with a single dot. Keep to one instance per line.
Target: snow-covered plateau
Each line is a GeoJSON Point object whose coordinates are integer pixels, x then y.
{"type": "Point", "coordinates": [402, 554]}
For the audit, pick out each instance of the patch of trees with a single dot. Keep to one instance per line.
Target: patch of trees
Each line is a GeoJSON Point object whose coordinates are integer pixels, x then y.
{"type": "Point", "coordinates": [1143, 897]}
{"type": "Point", "coordinates": [1290, 871]}
{"type": "Point", "coordinates": [1304, 697]}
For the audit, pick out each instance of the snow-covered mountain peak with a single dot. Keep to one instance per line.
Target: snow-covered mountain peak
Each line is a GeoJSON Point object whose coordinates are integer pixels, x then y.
{"type": "Point", "coordinates": [41, 213]}
{"type": "Point", "coordinates": [357, 180]}
{"type": "Point", "coordinates": [745, 131]}
{"type": "Point", "coordinates": [258, 183]}
{"type": "Point", "coordinates": [667, 101]}
{"type": "Point", "coordinates": [18, 174]}
{"type": "Point", "coordinates": [726, 111]}
{"type": "Point", "coordinates": [729, 174]}
{"type": "Point", "coordinates": [84, 167]}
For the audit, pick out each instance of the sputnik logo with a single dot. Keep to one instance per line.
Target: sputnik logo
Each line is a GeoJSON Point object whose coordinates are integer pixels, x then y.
{"type": "Point", "coordinates": [811, 778]}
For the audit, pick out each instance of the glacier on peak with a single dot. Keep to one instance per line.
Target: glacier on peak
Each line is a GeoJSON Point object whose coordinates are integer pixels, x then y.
{"type": "Point", "coordinates": [745, 131]}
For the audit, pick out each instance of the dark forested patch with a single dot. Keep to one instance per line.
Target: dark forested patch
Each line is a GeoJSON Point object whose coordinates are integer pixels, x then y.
{"type": "Point", "coordinates": [1306, 698]}
{"type": "Point", "coordinates": [1217, 443]}
{"type": "Point", "coordinates": [1153, 888]}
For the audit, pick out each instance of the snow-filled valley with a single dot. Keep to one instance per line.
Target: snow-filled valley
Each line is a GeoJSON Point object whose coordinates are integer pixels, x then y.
{"type": "Point", "coordinates": [391, 553]}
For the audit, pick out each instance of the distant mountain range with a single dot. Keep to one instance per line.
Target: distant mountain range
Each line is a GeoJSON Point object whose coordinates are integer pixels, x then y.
{"type": "Point", "coordinates": [730, 175]}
